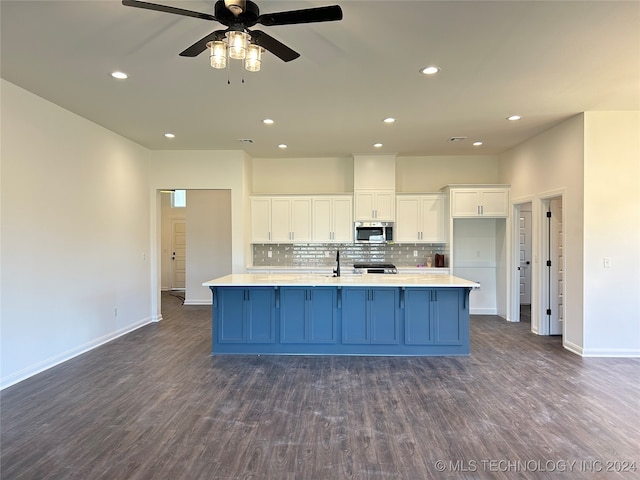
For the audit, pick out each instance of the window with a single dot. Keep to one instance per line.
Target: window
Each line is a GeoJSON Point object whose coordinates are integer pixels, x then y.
{"type": "Point", "coordinates": [179, 199]}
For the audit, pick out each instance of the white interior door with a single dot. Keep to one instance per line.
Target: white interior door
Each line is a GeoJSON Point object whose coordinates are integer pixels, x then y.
{"type": "Point", "coordinates": [525, 257]}
{"type": "Point", "coordinates": [556, 290]}
{"type": "Point", "coordinates": [178, 254]}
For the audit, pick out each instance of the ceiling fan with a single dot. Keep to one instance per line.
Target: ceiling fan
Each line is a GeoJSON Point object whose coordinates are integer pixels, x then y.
{"type": "Point", "coordinates": [238, 16]}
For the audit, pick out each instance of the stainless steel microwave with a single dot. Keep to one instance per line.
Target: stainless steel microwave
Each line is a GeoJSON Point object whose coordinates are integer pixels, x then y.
{"type": "Point", "coordinates": [373, 232]}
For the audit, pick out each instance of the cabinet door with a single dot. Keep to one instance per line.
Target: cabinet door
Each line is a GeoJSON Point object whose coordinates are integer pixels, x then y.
{"type": "Point", "coordinates": [293, 314]}
{"type": "Point", "coordinates": [465, 203]}
{"type": "Point", "coordinates": [230, 322]}
{"type": "Point", "coordinates": [383, 313]}
{"type": "Point", "coordinates": [417, 319]}
{"type": "Point", "coordinates": [280, 220]}
{"type": "Point", "coordinates": [446, 313]}
{"type": "Point", "coordinates": [300, 219]}
{"type": "Point", "coordinates": [260, 314]}
{"type": "Point", "coordinates": [407, 228]}
{"type": "Point", "coordinates": [495, 203]}
{"type": "Point", "coordinates": [355, 328]}
{"type": "Point", "coordinates": [365, 206]}
{"type": "Point", "coordinates": [322, 220]}
{"type": "Point", "coordinates": [260, 220]}
{"type": "Point", "coordinates": [322, 315]}
{"type": "Point", "coordinates": [385, 206]}
{"type": "Point", "coordinates": [432, 219]}
{"type": "Point", "coordinates": [342, 220]}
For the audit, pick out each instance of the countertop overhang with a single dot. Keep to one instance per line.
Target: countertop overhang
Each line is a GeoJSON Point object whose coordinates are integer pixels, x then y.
{"type": "Point", "coordinates": [351, 280]}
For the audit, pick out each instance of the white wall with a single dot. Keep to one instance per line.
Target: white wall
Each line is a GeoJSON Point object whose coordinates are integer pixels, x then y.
{"type": "Point", "coordinates": [430, 174]}
{"type": "Point", "coordinates": [546, 165]}
{"type": "Point", "coordinates": [592, 160]}
{"type": "Point", "coordinates": [75, 235]}
{"type": "Point", "coordinates": [208, 241]}
{"type": "Point", "coordinates": [612, 229]}
{"type": "Point", "coordinates": [302, 175]}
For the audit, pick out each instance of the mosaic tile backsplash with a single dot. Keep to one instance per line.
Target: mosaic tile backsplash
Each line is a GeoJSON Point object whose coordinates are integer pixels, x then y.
{"type": "Point", "coordinates": [324, 254]}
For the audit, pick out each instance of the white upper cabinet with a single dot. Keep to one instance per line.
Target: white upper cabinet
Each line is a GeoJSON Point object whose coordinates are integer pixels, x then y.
{"type": "Point", "coordinates": [260, 220]}
{"type": "Point", "coordinates": [375, 205]}
{"type": "Point", "coordinates": [332, 219]}
{"type": "Point", "coordinates": [420, 219]}
{"type": "Point", "coordinates": [479, 202]}
{"type": "Point", "coordinates": [280, 219]}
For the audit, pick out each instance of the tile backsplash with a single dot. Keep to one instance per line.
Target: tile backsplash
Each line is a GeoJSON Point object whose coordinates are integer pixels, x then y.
{"type": "Point", "coordinates": [324, 254]}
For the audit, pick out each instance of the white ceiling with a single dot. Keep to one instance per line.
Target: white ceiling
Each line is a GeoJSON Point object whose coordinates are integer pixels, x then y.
{"type": "Point", "coordinates": [544, 60]}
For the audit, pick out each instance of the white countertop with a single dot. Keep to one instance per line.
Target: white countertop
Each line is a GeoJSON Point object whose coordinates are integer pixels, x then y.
{"type": "Point", "coordinates": [319, 280]}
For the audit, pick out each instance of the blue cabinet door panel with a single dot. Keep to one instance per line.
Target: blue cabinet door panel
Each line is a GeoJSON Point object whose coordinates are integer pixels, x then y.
{"type": "Point", "coordinates": [230, 321]}
{"type": "Point", "coordinates": [260, 313]}
{"type": "Point", "coordinates": [293, 313]}
{"type": "Point", "coordinates": [383, 313]}
{"type": "Point", "coordinates": [322, 320]}
{"type": "Point", "coordinates": [355, 305]}
{"type": "Point", "coordinates": [446, 317]}
{"type": "Point", "coordinates": [417, 322]}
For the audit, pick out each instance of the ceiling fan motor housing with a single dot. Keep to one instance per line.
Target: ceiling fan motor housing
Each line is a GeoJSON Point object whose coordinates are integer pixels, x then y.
{"type": "Point", "coordinates": [246, 16]}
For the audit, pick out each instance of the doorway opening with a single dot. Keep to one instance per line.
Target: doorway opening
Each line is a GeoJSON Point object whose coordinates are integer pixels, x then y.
{"type": "Point", "coordinates": [523, 264]}
{"type": "Point", "coordinates": [195, 243]}
{"type": "Point", "coordinates": [525, 260]}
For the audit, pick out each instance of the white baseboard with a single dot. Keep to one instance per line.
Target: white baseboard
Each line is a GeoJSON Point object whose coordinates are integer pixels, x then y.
{"type": "Point", "coordinates": [611, 352]}
{"type": "Point", "coordinates": [483, 311]}
{"type": "Point", "coordinates": [197, 302]}
{"type": "Point", "coordinates": [50, 362]}
{"type": "Point", "coordinates": [572, 347]}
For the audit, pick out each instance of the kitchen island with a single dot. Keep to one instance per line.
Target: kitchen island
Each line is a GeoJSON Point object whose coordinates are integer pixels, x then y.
{"type": "Point", "coordinates": [307, 314]}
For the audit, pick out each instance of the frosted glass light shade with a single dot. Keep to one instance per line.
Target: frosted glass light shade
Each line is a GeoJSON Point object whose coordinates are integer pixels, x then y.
{"type": "Point", "coordinates": [218, 54]}
{"type": "Point", "coordinates": [237, 44]}
{"type": "Point", "coordinates": [253, 61]}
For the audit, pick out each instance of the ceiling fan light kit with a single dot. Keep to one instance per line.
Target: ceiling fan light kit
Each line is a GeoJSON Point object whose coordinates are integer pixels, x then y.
{"type": "Point", "coordinates": [237, 41]}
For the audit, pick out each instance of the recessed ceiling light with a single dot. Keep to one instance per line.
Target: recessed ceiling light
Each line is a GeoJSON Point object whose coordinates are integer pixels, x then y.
{"type": "Point", "coordinates": [119, 75]}
{"type": "Point", "coordinates": [377, 145]}
{"type": "Point", "coordinates": [477, 144]}
{"type": "Point", "coordinates": [389, 120]}
{"type": "Point", "coordinates": [169, 135]}
{"type": "Point", "coordinates": [267, 121]}
{"type": "Point", "coordinates": [514, 117]}
{"type": "Point", "coordinates": [430, 70]}
{"type": "Point", "coordinates": [282, 146]}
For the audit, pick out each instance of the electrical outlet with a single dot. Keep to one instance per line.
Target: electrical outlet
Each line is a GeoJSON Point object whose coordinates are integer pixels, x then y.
{"type": "Point", "coordinates": [270, 254]}
{"type": "Point", "coordinates": [606, 262]}
{"type": "Point", "coordinates": [415, 253]}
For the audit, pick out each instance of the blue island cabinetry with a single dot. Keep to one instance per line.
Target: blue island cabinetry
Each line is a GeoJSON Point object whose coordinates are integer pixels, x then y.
{"type": "Point", "coordinates": [340, 320]}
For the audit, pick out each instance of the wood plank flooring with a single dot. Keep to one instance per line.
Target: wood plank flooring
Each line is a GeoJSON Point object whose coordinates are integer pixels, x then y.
{"type": "Point", "coordinates": [155, 405]}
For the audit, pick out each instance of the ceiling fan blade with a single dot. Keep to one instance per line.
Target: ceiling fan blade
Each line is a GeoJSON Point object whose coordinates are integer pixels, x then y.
{"type": "Point", "coordinates": [309, 15]}
{"type": "Point", "coordinates": [201, 45]}
{"type": "Point", "coordinates": [167, 9]}
{"type": "Point", "coordinates": [269, 43]}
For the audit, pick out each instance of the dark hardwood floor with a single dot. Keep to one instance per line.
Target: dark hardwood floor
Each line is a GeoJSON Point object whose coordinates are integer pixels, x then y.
{"type": "Point", "coordinates": [155, 405]}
